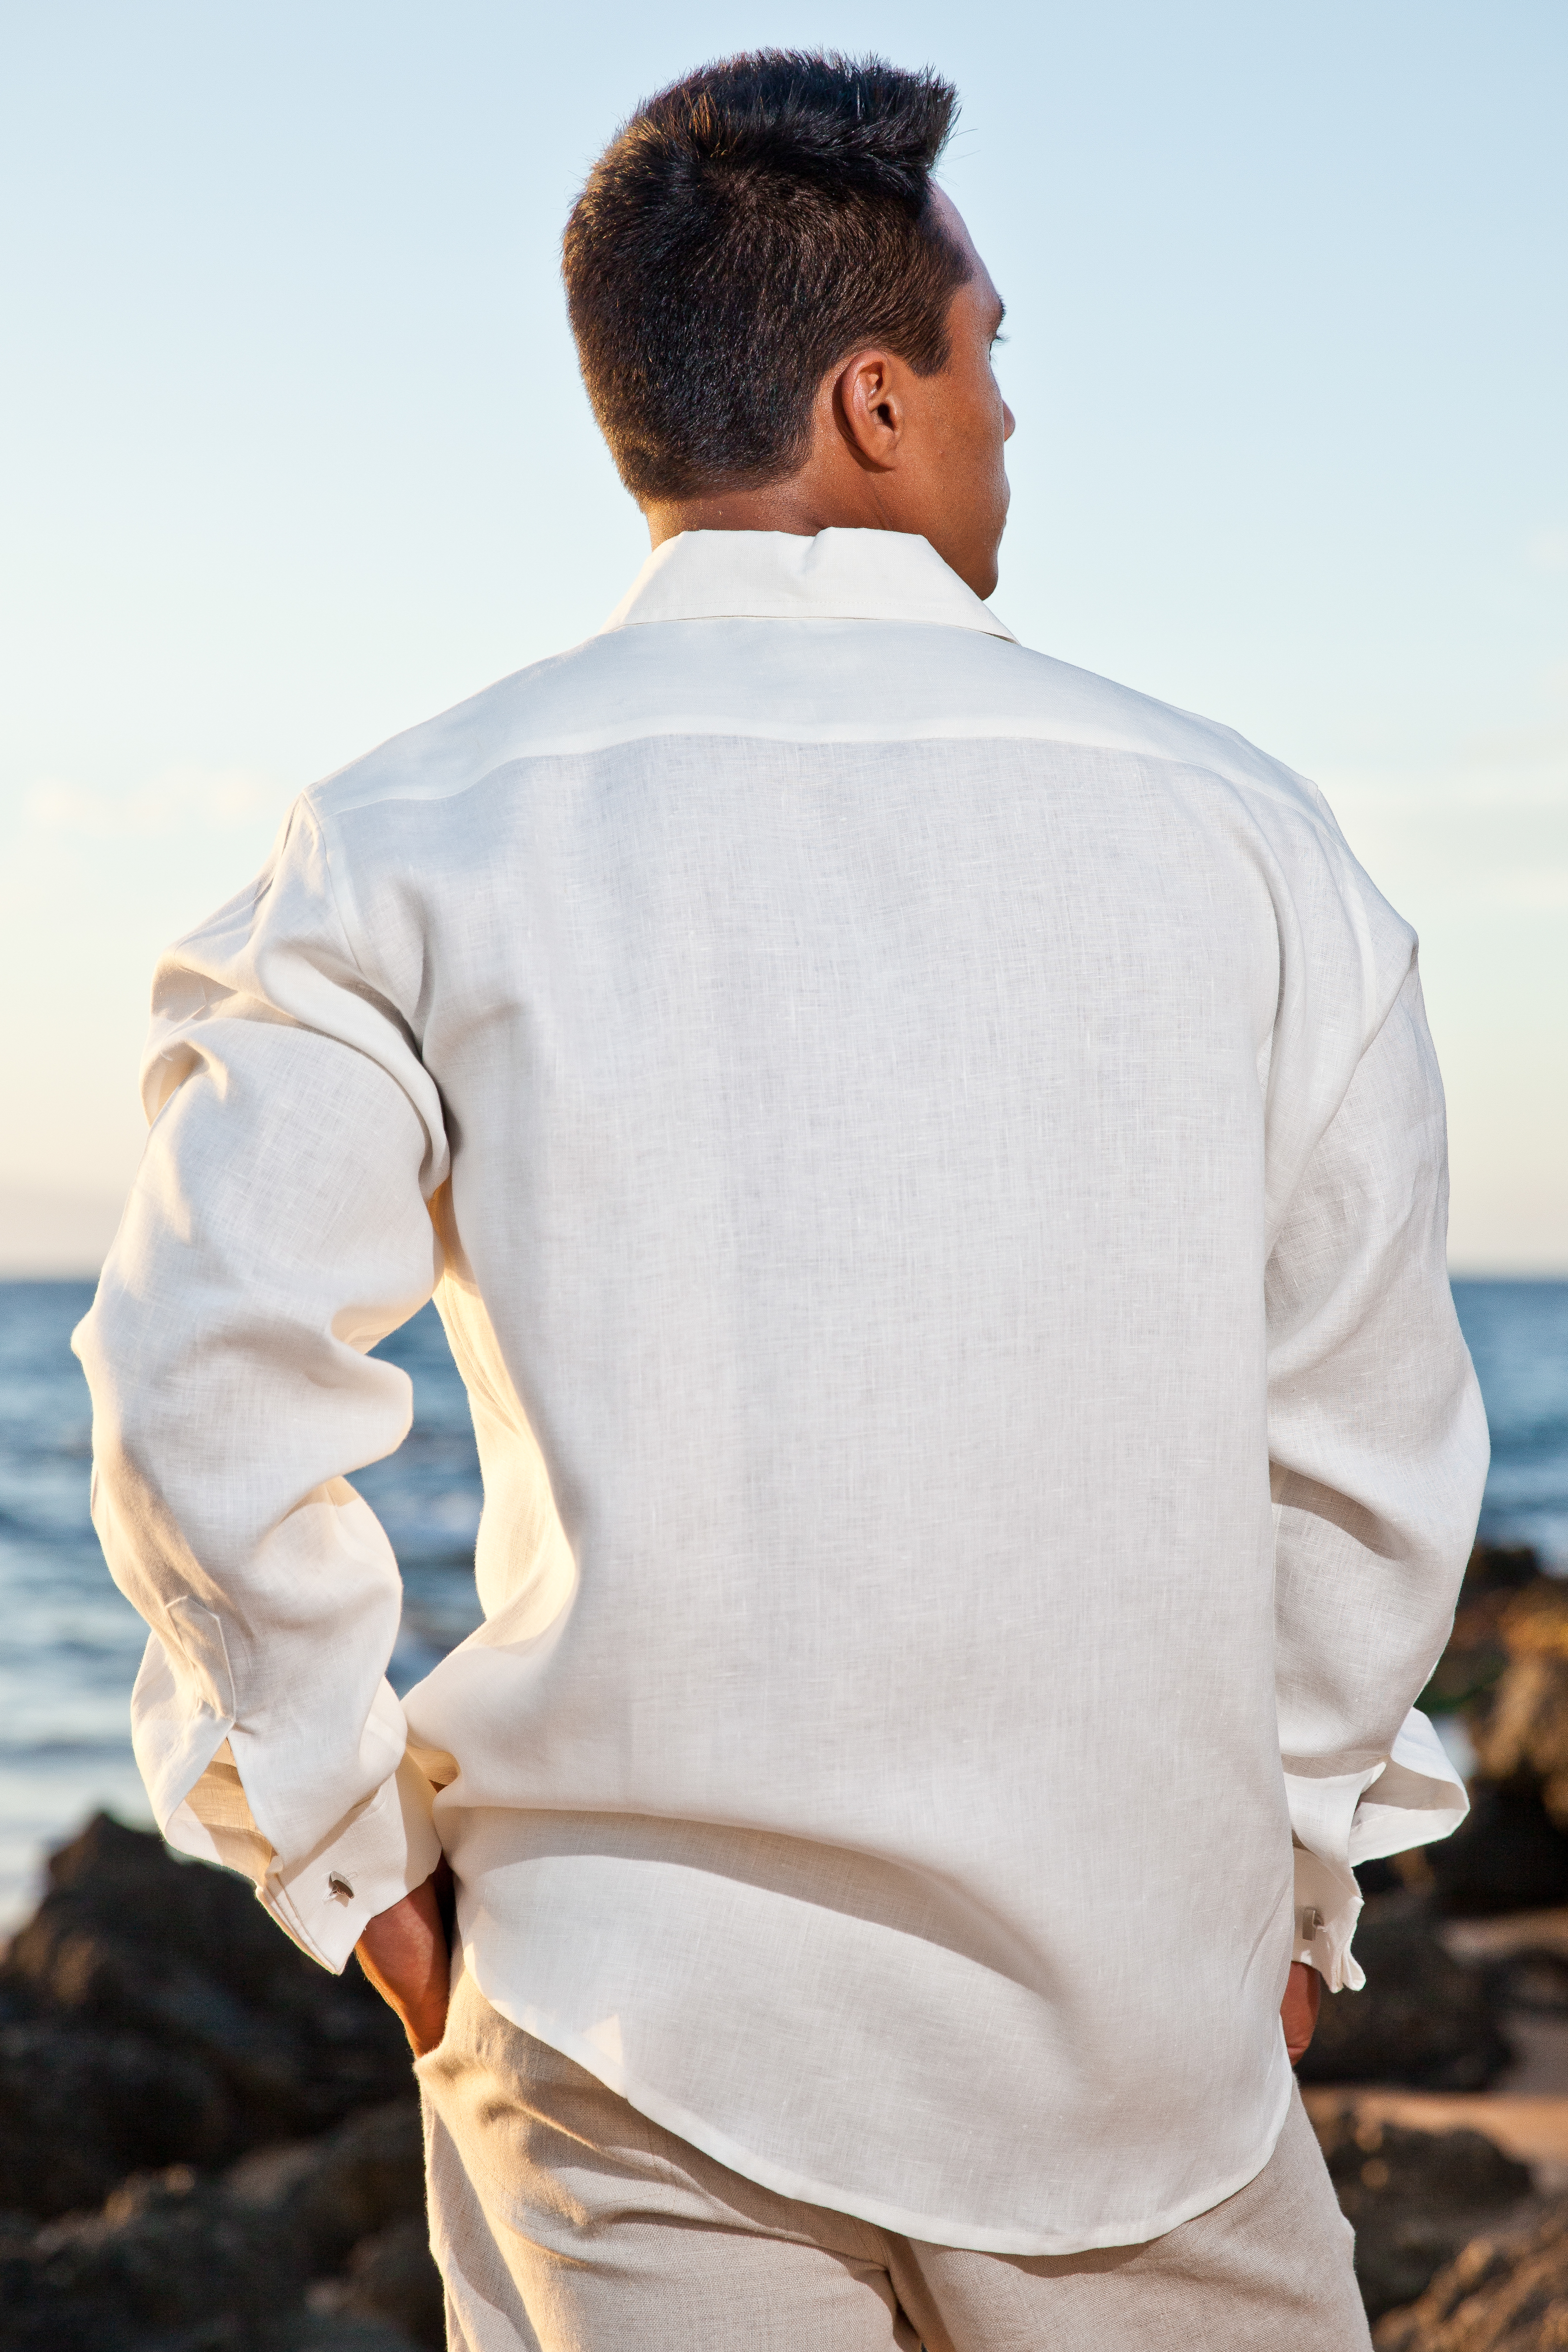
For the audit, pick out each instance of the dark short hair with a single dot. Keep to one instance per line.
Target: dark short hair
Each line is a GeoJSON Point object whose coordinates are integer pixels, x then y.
{"type": "Point", "coordinates": [746, 230]}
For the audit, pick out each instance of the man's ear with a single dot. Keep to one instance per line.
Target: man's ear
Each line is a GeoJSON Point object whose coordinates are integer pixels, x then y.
{"type": "Point", "coordinates": [869, 408]}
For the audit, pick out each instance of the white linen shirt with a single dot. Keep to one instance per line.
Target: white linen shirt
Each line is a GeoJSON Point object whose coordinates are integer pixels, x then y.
{"type": "Point", "coordinates": [932, 1166]}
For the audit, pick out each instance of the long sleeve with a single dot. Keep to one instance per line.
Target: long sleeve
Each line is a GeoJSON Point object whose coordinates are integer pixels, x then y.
{"type": "Point", "coordinates": [1378, 1455]}
{"type": "Point", "coordinates": [899, 1088]}
{"type": "Point", "coordinates": [276, 1230]}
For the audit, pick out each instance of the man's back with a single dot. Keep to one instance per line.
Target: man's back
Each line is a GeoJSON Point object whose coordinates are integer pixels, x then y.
{"type": "Point", "coordinates": [897, 1114]}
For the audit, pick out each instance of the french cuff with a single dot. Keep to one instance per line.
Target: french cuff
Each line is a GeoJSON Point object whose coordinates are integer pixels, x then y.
{"type": "Point", "coordinates": [387, 1847]}
{"type": "Point", "coordinates": [215, 1823]}
{"type": "Point", "coordinates": [1328, 1904]}
{"type": "Point", "coordinates": [382, 1852]}
{"type": "Point", "coordinates": [1417, 1799]}
{"type": "Point", "coordinates": [1338, 1821]}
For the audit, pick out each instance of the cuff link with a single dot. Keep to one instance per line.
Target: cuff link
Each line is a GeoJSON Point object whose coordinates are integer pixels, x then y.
{"type": "Point", "coordinates": [339, 1887]}
{"type": "Point", "coordinates": [1311, 1918]}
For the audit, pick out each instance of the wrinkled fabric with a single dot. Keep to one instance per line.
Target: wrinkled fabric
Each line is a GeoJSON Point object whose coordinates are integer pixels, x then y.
{"type": "Point", "coordinates": [563, 2220]}
{"type": "Point", "coordinates": [932, 1166]}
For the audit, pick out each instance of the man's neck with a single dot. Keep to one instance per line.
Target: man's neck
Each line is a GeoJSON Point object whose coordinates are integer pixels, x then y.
{"type": "Point", "coordinates": [803, 506]}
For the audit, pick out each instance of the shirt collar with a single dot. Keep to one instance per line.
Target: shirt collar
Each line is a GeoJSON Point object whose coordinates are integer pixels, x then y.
{"type": "Point", "coordinates": [772, 575]}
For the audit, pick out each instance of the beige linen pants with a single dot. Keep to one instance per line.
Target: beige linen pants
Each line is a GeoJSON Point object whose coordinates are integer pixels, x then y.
{"type": "Point", "coordinates": [565, 2222]}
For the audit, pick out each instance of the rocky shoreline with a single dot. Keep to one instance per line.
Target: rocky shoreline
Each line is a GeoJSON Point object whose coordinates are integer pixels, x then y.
{"type": "Point", "coordinates": [209, 2145]}
{"type": "Point", "coordinates": [1458, 2247]}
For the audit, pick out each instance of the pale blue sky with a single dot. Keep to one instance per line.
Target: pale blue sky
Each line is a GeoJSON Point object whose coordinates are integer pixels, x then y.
{"type": "Point", "coordinates": [296, 454]}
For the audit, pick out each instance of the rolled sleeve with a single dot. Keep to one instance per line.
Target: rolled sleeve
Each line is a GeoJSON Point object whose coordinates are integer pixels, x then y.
{"type": "Point", "coordinates": [324, 1900]}
{"type": "Point", "coordinates": [1411, 1798]}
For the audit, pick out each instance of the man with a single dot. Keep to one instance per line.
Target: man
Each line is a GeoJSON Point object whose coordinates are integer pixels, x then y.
{"type": "Point", "coordinates": [932, 1167]}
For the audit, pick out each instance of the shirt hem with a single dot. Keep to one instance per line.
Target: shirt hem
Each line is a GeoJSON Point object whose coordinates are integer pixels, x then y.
{"type": "Point", "coordinates": [804, 2189]}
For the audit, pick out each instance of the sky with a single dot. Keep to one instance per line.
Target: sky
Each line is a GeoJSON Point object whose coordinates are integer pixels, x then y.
{"type": "Point", "coordinates": [296, 455]}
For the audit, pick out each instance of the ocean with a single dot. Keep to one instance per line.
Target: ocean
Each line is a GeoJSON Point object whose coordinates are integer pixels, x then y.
{"type": "Point", "coordinates": [72, 1644]}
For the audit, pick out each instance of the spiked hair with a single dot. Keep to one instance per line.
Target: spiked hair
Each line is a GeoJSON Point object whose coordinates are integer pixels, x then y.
{"type": "Point", "coordinates": [748, 228]}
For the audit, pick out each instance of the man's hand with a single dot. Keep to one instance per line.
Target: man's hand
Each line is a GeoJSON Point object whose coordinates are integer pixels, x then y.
{"type": "Point", "coordinates": [1299, 2009]}
{"type": "Point", "coordinates": [404, 1953]}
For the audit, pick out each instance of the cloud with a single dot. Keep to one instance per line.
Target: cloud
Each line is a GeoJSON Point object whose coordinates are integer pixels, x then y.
{"type": "Point", "coordinates": [213, 800]}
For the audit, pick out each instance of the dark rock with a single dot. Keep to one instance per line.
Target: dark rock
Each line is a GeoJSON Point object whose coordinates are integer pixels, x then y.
{"type": "Point", "coordinates": [338, 2331]}
{"type": "Point", "coordinates": [1504, 2292]}
{"type": "Point", "coordinates": [80, 2107]}
{"type": "Point", "coordinates": [1520, 1735]}
{"type": "Point", "coordinates": [1533, 1981]}
{"type": "Point", "coordinates": [167, 2260]}
{"type": "Point", "coordinates": [1423, 2017]}
{"type": "Point", "coordinates": [222, 2264]}
{"type": "Point", "coordinates": [328, 2195]}
{"type": "Point", "coordinates": [391, 2278]}
{"type": "Point", "coordinates": [155, 2021]}
{"type": "Point", "coordinates": [1522, 1727]}
{"type": "Point", "coordinates": [1508, 1856]}
{"type": "Point", "coordinates": [200, 2030]}
{"type": "Point", "coordinates": [1413, 2198]}
{"type": "Point", "coordinates": [1499, 1568]}
{"type": "Point", "coordinates": [360, 2194]}
{"type": "Point", "coordinates": [1478, 1651]}
{"type": "Point", "coordinates": [1506, 1668]}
